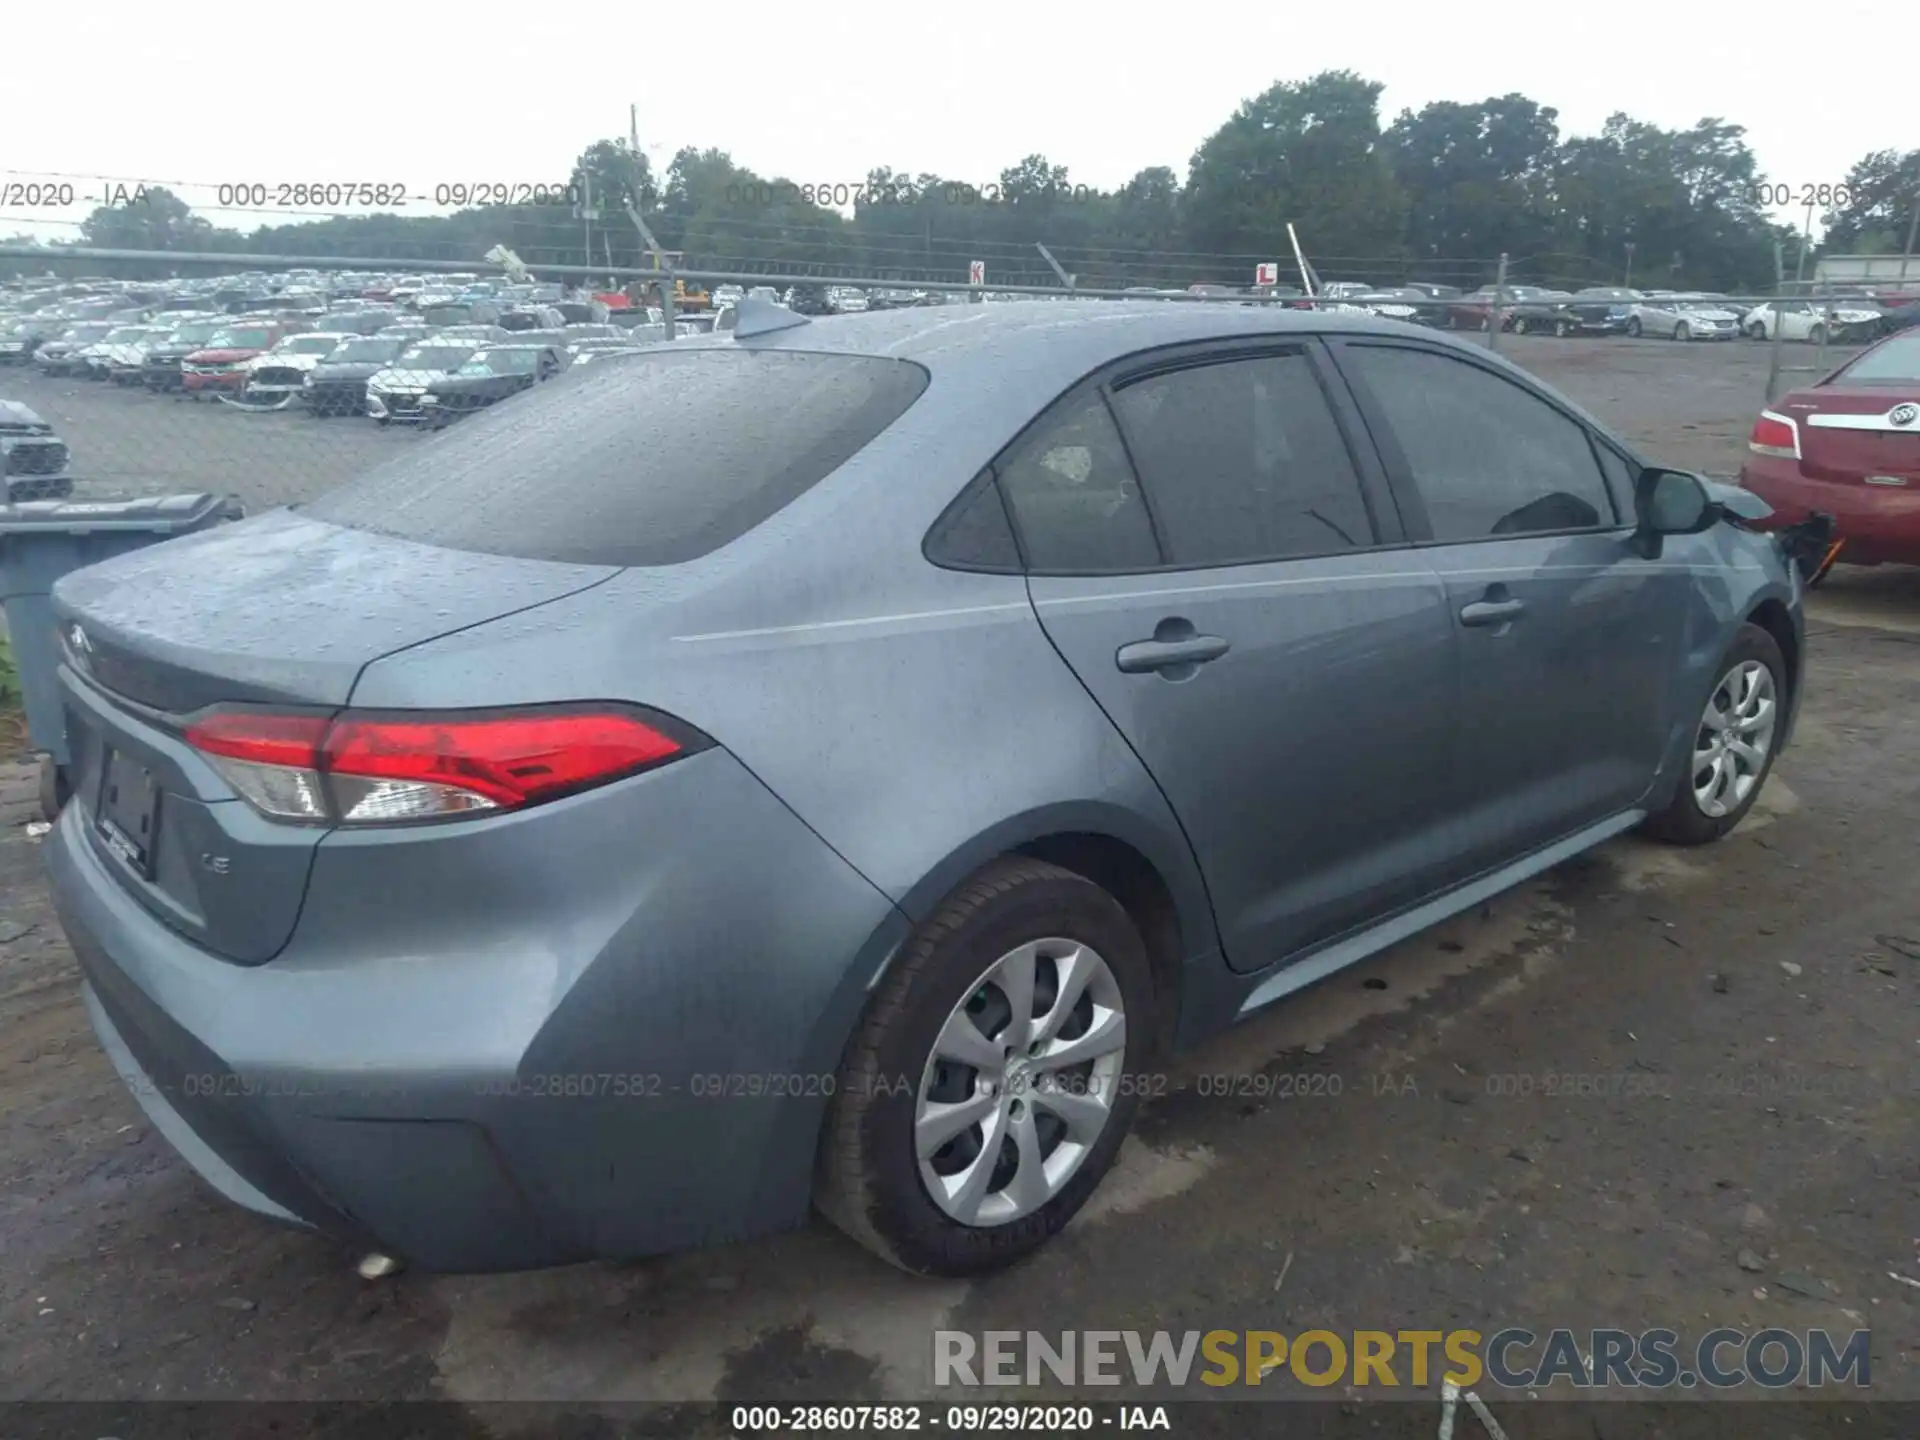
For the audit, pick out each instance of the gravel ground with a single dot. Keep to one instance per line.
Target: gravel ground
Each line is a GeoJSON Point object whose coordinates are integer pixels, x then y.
{"type": "Point", "coordinates": [1762, 1169]}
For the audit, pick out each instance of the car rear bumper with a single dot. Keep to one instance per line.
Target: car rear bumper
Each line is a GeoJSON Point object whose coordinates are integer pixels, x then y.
{"type": "Point", "coordinates": [553, 1039]}
{"type": "Point", "coordinates": [1878, 523]}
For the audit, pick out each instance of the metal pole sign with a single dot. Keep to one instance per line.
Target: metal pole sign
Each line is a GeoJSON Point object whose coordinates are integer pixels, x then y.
{"type": "Point", "coordinates": [976, 272]}
{"type": "Point", "coordinates": [1267, 272]}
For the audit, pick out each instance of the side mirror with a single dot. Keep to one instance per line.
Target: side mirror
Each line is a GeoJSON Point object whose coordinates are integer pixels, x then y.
{"type": "Point", "coordinates": [1671, 502]}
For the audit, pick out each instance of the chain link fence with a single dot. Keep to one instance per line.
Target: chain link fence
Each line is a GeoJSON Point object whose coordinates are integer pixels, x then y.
{"type": "Point", "coordinates": [141, 372]}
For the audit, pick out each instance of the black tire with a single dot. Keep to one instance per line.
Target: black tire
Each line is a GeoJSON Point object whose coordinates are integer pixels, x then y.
{"type": "Point", "coordinates": [55, 790]}
{"type": "Point", "coordinates": [1683, 331]}
{"type": "Point", "coordinates": [1562, 329]}
{"type": "Point", "coordinates": [868, 1181]}
{"type": "Point", "coordinates": [1817, 335]}
{"type": "Point", "coordinates": [1757, 330]}
{"type": "Point", "coordinates": [1683, 822]}
{"type": "Point", "coordinates": [1520, 324]}
{"type": "Point", "coordinates": [1633, 327]}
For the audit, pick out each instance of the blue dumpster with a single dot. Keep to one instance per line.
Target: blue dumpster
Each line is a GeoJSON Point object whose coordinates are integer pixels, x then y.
{"type": "Point", "coordinates": [41, 540]}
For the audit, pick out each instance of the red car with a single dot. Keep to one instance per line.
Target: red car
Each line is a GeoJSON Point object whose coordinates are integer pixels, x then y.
{"type": "Point", "coordinates": [1848, 445]}
{"type": "Point", "coordinates": [222, 365]}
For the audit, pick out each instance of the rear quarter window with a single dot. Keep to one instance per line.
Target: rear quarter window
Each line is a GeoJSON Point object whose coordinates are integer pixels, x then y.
{"type": "Point", "coordinates": [654, 462]}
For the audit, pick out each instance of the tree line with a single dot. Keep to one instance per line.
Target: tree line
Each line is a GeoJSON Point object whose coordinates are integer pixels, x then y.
{"type": "Point", "coordinates": [1435, 194]}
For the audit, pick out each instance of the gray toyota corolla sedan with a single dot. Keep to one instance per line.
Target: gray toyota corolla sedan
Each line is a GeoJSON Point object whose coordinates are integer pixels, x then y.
{"type": "Point", "coordinates": [830, 765]}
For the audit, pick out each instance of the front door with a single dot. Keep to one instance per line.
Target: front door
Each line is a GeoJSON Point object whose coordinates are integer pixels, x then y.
{"type": "Point", "coordinates": [1567, 637]}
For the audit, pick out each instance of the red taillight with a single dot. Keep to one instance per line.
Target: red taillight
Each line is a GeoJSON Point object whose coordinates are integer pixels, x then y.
{"type": "Point", "coordinates": [511, 760]}
{"type": "Point", "coordinates": [1775, 435]}
{"type": "Point", "coordinates": [260, 739]}
{"type": "Point", "coordinates": [369, 768]}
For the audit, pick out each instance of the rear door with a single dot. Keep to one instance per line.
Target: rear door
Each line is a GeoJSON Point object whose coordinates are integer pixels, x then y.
{"type": "Point", "coordinates": [1567, 638]}
{"type": "Point", "coordinates": [1217, 561]}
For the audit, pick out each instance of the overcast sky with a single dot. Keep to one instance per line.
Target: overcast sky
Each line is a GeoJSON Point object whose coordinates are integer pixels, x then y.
{"type": "Point", "coordinates": [360, 92]}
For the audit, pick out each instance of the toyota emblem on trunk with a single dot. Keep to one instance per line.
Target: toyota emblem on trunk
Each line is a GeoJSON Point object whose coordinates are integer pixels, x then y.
{"type": "Point", "coordinates": [1904, 414]}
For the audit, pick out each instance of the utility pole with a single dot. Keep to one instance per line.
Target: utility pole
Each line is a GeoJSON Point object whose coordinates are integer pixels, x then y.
{"type": "Point", "coordinates": [586, 216]}
{"type": "Point", "coordinates": [1496, 317]}
{"type": "Point", "coordinates": [633, 212]}
{"type": "Point", "coordinates": [1806, 239]}
{"type": "Point", "coordinates": [1777, 318]}
{"type": "Point", "coordinates": [1626, 282]}
{"type": "Point", "coordinates": [1047, 255]}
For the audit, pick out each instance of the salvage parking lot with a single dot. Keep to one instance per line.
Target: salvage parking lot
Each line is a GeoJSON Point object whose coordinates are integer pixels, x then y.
{"type": "Point", "coordinates": [1745, 1154]}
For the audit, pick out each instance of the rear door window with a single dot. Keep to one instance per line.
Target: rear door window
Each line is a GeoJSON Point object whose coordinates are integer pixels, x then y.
{"type": "Point", "coordinates": [654, 462]}
{"type": "Point", "coordinates": [1244, 461]}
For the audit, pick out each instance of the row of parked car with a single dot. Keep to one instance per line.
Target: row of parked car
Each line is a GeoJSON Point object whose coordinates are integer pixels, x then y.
{"type": "Point", "coordinates": [399, 349]}
{"type": "Point", "coordinates": [395, 356]}
{"type": "Point", "coordinates": [1616, 310]}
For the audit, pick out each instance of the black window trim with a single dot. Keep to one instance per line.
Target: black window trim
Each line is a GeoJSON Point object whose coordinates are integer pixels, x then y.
{"type": "Point", "coordinates": [1390, 531]}
{"type": "Point", "coordinates": [1406, 494]}
{"type": "Point", "coordinates": [984, 481]}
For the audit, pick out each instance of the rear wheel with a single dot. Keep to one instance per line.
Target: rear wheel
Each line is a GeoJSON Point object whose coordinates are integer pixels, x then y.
{"type": "Point", "coordinates": [1633, 327]}
{"type": "Point", "coordinates": [1817, 335]}
{"type": "Point", "coordinates": [1520, 325]}
{"type": "Point", "coordinates": [1562, 328]}
{"type": "Point", "coordinates": [986, 1092]}
{"type": "Point", "coordinates": [1733, 746]}
{"type": "Point", "coordinates": [1757, 331]}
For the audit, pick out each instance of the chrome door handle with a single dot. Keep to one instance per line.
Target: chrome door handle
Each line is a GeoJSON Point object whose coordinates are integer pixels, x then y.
{"type": "Point", "coordinates": [1492, 612]}
{"type": "Point", "coordinates": [1145, 655]}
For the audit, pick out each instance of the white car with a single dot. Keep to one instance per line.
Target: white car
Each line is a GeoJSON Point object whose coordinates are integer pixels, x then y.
{"type": "Point", "coordinates": [394, 393]}
{"type": "Point", "coordinates": [119, 353]}
{"type": "Point", "coordinates": [1805, 320]}
{"type": "Point", "coordinates": [1683, 317]}
{"type": "Point", "coordinates": [277, 376]}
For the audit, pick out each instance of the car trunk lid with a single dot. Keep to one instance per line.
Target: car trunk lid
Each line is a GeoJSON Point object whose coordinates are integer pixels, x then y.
{"type": "Point", "coordinates": [1859, 435]}
{"type": "Point", "coordinates": [281, 611]}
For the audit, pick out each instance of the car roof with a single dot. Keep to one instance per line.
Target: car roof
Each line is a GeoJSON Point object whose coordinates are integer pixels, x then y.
{"type": "Point", "coordinates": [1046, 342]}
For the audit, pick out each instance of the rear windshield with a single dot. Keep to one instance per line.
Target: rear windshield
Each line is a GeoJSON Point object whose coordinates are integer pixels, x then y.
{"type": "Point", "coordinates": [1895, 362]}
{"type": "Point", "coordinates": [652, 462]}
